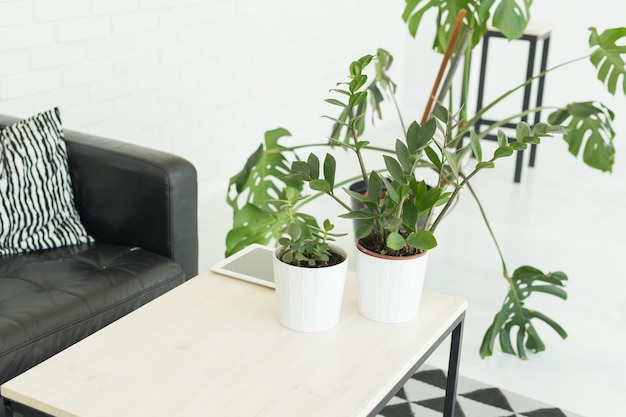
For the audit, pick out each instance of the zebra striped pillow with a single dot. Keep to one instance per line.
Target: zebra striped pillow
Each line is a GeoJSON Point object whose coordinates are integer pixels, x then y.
{"type": "Point", "coordinates": [36, 200]}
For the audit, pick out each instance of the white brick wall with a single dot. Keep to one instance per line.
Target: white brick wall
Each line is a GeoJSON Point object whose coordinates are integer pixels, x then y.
{"type": "Point", "coordinates": [198, 77]}
{"type": "Point", "coordinates": [202, 78]}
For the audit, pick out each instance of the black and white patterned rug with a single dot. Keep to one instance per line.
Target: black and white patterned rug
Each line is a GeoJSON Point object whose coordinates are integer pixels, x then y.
{"type": "Point", "coordinates": [423, 396]}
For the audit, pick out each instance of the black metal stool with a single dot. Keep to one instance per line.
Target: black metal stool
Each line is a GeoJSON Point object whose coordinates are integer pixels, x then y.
{"type": "Point", "coordinates": [533, 37]}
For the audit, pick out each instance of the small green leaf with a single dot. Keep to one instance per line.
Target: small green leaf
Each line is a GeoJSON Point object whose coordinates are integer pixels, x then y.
{"type": "Point", "coordinates": [362, 144]}
{"type": "Point", "coordinates": [434, 158]}
{"type": "Point", "coordinates": [522, 130]}
{"type": "Point", "coordinates": [320, 185]}
{"type": "Point", "coordinates": [503, 139]}
{"type": "Point", "coordinates": [485, 164]}
{"type": "Point", "coordinates": [374, 187]}
{"type": "Point", "coordinates": [357, 82]}
{"type": "Point", "coordinates": [475, 144]}
{"type": "Point", "coordinates": [314, 166]}
{"type": "Point", "coordinates": [330, 166]}
{"type": "Point", "coordinates": [395, 241]}
{"type": "Point", "coordinates": [365, 60]}
{"type": "Point", "coordinates": [362, 214]}
{"type": "Point", "coordinates": [518, 146]}
{"type": "Point", "coordinates": [302, 168]}
{"type": "Point", "coordinates": [503, 152]}
{"type": "Point", "coordinates": [423, 240]}
{"type": "Point", "coordinates": [355, 68]}
{"type": "Point", "coordinates": [394, 168]}
{"type": "Point", "coordinates": [357, 98]}
{"type": "Point", "coordinates": [452, 162]}
{"type": "Point", "coordinates": [403, 155]}
{"type": "Point", "coordinates": [441, 113]}
{"type": "Point", "coordinates": [335, 102]}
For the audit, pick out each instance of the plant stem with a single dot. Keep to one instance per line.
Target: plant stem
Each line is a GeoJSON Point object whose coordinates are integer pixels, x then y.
{"type": "Point", "coordinates": [457, 188]}
{"type": "Point", "coordinates": [355, 137]}
{"type": "Point", "coordinates": [395, 103]}
{"type": "Point", "coordinates": [493, 236]}
{"type": "Point", "coordinates": [482, 111]}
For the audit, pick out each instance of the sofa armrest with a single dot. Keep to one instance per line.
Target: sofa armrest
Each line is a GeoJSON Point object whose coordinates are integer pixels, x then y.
{"type": "Point", "coordinates": [135, 196]}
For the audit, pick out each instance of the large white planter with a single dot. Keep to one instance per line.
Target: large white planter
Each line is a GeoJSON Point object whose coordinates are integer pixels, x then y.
{"type": "Point", "coordinates": [309, 299]}
{"type": "Point", "coordinates": [389, 288]}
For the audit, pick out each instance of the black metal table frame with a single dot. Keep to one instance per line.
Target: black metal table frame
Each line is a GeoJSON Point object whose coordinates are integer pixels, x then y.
{"type": "Point", "coordinates": [456, 332]}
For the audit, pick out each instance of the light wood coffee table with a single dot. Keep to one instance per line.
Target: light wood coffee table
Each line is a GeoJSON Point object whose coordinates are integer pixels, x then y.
{"type": "Point", "coordinates": [214, 347]}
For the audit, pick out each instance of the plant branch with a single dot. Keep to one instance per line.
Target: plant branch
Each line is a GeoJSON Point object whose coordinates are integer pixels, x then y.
{"type": "Point", "coordinates": [482, 111]}
{"type": "Point", "coordinates": [493, 236]}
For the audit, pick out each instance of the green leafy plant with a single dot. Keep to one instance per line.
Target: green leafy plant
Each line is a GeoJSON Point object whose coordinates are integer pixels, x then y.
{"type": "Point", "coordinates": [396, 192]}
{"type": "Point", "coordinates": [303, 243]}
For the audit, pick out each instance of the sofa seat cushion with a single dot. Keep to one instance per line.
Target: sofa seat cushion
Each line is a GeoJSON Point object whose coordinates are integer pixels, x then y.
{"type": "Point", "coordinates": [51, 299]}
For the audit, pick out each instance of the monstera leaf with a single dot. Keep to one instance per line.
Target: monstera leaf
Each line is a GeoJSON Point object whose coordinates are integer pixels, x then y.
{"type": "Point", "coordinates": [515, 316]}
{"type": "Point", "coordinates": [263, 178]}
{"type": "Point", "coordinates": [607, 57]}
{"type": "Point", "coordinates": [510, 17]}
{"type": "Point", "coordinates": [590, 122]}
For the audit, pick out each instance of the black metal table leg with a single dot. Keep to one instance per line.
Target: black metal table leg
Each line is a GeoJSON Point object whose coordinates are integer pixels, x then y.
{"type": "Point", "coordinates": [8, 410]}
{"type": "Point", "coordinates": [453, 371]}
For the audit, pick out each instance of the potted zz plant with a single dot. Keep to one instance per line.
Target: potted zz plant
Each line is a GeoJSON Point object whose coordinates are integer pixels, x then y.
{"type": "Point", "coordinates": [399, 213]}
{"type": "Point", "coordinates": [309, 272]}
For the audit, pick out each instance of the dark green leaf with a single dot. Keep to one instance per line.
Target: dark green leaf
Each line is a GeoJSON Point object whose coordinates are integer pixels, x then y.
{"type": "Point", "coordinates": [518, 146]}
{"type": "Point", "coordinates": [522, 130]}
{"type": "Point", "coordinates": [475, 144]}
{"type": "Point", "coordinates": [394, 168]}
{"type": "Point", "coordinates": [335, 102]}
{"type": "Point", "coordinates": [452, 162]}
{"type": "Point", "coordinates": [434, 158]}
{"type": "Point", "coordinates": [412, 137]}
{"type": "Point", "coordinates": [403, 155]}
{"type": "Point", "coordinates": [503, 152]}
{"type": "Point", "coordinates": [359, 215]}
{"type": "Point", "coordinates": [357, 82]}
{"type": "Point", "coordinates": [314, 166]}
{"type": "Point", "coordinates": [513, 315]}
{"type": "Point", "coordinates": [425, 134]}
{"type": "Point", "coordinates": [511, 18]}
{"type": "Point", "coordinates": [357, 98]}
{"type": "Point", "coordinates": [503, 139]}
{"type": "Point", "coordinates": [320, 185]}
{"type": "Point", "coordinates": [330, 166]}
{"type": "Point", "coordinates": [607, 57]}
{"type": "Point", "coordinates": [590, 122]}
{"type": "Point", "coordinates": [301, 168]}
{"type": "Point", "coordinates": [395, 241]}
{"type": "Point", "coordinates": [374, 187]}
{"type": "Point", "coordinates": [441, 113]}
{"type": "Point", "coordinates": [423, 240]}
{"type": "Point", "coordinates": [486, 164]}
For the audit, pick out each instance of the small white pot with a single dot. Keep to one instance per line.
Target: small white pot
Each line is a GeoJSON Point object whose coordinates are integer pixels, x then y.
{"type": "Point", "coordinates": [309, 299]}
{"type": "Point", "coordinates": [389, 287]}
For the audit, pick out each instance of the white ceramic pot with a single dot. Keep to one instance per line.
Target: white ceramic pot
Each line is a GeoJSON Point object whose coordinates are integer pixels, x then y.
{"type": "Point", "coordinates": [309, 299]}
{"type": "Point", "coordinates": [389, 287]}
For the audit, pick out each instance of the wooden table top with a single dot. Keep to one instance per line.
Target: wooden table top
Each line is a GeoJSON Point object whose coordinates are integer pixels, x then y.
{"type": "Point", "coordinates": [214, 347]}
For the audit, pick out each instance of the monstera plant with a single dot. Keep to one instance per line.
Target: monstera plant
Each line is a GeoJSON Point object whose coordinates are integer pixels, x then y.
{"type": "Point", "coordinates": [586, 126]}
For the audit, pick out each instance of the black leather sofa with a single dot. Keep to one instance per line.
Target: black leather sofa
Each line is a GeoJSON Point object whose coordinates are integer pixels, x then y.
{"type": "Point", "coordinates": [140, 205]}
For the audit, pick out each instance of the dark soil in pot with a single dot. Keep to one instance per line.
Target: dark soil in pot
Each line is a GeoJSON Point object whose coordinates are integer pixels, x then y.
{"type": "Point", "coordinates": [368, 243]}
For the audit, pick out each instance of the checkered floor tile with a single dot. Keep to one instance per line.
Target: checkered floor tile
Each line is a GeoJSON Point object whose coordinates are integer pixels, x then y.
{"type": "Point", "coordinates": [423, 396]}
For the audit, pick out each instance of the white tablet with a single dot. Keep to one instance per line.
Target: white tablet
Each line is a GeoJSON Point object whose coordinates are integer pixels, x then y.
{"type": "Point", "coordinates": [254, 263]}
